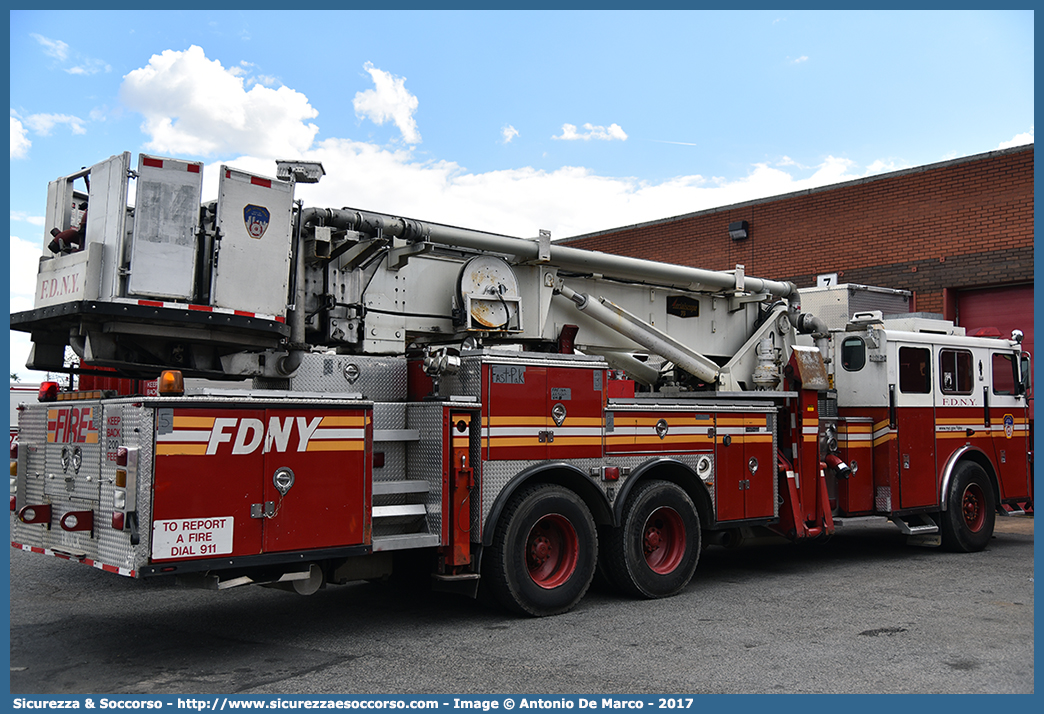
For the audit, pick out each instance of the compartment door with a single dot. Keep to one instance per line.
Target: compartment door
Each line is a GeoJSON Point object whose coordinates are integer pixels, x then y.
{"type": "Point", "coordinates": [516, 419]}
{"type": "Point", "coordinates": [251, 268]}
{"type": "Point", "coordinates": [316, 478]}
{"type": "Point", "coordinates": [745, 471]}
{"type": "Point", "coordinates": [163, 245]}
{"type": "Point", "coordinates": [575, 398]}
{"type": "Point", "coordinates": [204, 482]}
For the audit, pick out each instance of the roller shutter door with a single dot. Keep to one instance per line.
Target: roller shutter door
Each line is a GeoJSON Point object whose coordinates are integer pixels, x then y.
{"type": "Point", "coordinates": [1006, 308]}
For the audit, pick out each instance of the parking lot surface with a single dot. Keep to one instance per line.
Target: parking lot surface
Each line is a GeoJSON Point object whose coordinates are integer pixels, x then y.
{"type": "Point", "coordinates": [863, 612]}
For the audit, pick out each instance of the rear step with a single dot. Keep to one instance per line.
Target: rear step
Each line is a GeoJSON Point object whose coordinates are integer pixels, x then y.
{"type": "Point", "coordinates": [926, 526]}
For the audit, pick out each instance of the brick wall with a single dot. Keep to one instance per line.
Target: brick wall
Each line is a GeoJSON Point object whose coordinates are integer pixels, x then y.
{"type": "Point", "coordinates": [957, 224]}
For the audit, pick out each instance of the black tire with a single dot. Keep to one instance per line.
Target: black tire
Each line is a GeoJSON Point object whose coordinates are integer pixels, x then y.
{"type": "Point", "coordinates": [967, 522]}
{"type": "Point", "coordinates": [655, 551]}
{"type": "Point", "coordinates": [544, 552]}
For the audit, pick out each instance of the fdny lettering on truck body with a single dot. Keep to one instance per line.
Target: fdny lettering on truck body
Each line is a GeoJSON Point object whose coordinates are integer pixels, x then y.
{"type": "Point", "coordinates": [183, 435]}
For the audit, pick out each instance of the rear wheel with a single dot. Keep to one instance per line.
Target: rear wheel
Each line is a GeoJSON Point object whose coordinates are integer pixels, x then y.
{"type": "Point", "coordinates": [544, 552]}
{"type": "Point", "coordinates": [655, 551]}
{"type": "Point", "coordinates": [967, 522]}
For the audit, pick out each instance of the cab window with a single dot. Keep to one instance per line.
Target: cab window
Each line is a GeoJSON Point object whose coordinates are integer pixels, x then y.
{"type": "Point", "coordinates": [1004, 379]}
{"type": "Point", "coordinates": [956, 374]}
{"type": "Point", "coordinates": [915, 370]}
{"type": "Point", "coordinates": [853, 354]}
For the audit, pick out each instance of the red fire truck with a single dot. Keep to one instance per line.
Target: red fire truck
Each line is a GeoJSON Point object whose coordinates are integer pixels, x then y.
{"type": "Point", "coordinates": [511, 412]}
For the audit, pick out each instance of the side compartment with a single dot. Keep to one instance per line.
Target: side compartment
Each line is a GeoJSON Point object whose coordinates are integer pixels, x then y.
{"type": "Point", "coordinates": [271, 479]}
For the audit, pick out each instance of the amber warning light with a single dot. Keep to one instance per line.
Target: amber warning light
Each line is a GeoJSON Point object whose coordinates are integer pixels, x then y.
{"type": "Point", "coordinates": [171, 383]}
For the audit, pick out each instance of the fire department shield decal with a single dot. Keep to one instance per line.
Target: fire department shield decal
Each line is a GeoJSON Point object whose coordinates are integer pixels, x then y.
{"type": "Point", "coordinates": [256, 219]}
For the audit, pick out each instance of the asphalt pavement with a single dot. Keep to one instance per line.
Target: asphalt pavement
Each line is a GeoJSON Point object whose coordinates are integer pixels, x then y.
{"type": "Point", "coordinates": [863, 612]}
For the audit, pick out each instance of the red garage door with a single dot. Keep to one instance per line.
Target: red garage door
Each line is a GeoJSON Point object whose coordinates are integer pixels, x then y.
{"type": "Point", "coordinates": [1006, 308]}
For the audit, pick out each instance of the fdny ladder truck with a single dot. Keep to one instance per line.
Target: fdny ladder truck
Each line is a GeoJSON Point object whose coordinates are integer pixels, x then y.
{"type": "Point", "coordinates": [511, 412]}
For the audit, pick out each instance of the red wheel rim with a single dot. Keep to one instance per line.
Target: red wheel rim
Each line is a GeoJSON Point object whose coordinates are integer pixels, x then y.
{"type": "Point", "coordinates": [552, 550]}
{"type": "Point", "coordinates": [663, 540]}
{"type": "Point", "coordinates": [973, 506]}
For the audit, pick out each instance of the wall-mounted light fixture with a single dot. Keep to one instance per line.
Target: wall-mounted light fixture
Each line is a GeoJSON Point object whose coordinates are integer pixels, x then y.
{"type": "Point", "coordinates": [739, 230]}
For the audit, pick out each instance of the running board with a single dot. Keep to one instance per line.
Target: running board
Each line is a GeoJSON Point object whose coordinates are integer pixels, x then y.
{"type": "Point", "coordinates": [405, 541]}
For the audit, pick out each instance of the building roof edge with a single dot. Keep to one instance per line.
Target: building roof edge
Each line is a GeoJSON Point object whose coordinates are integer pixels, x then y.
{"type": "Point", "coordinates": [809, 191]}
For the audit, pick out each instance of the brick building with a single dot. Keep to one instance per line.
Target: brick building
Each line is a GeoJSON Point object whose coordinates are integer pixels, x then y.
{"type": "Point", "coordinates": [958, 234]}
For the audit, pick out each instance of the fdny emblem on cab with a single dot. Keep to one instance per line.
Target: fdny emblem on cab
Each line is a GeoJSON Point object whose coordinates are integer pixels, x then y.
{"type": "Point", "coordinates": [256, 220]}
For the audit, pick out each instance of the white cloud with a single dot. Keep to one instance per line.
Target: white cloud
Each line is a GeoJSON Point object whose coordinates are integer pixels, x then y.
{"type": "Point", "coordinates": [799, 60]}
{"type": "Point", "coordinates": [60, 51]}
{"type": "Point", "coordinates": [42, 124]}
{"type": "Point", "coordinates": [194, 106]}
{"type": "Point", "coordinates": [89, 66]}
{"type": "Point", "coordinates": [509, 132]}
{"type": "Point", "coordinates": [23, 216]}
{"type": "Point", "coordinates": [882, 166]}
{"type": "Point", "coordinates": [614, 132]}
{"type": "Point", "coordinates": [1018, 140]}
{"type": "Point", "coordinates": [388, 100]}
{"type": "Point", "coordinates": [19, 140]}
{"type": "Point", "coordinates": [52, 48]}
{"type": "Point", "coordinates": [664, 141]}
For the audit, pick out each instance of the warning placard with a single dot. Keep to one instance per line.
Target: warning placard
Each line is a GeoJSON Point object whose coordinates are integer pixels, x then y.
{"type": "Point", "coordinates": [191, 537]}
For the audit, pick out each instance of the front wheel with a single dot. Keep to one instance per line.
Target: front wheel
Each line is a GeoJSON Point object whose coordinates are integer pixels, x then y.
{"type": "Point", "coordinates": [967, 523]}
{"type": "Point", "coordinates": [655, 550]}
{"type": "Point", "coordinates": [544, 552]}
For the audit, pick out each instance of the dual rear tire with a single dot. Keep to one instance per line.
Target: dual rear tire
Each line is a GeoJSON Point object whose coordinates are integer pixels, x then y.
{"type": "Point", "coordinates": [544, 552]}
{"type": "Point", "coordinates": [546, 549]}
{"type": "Point", "coordinates": [656, 549]}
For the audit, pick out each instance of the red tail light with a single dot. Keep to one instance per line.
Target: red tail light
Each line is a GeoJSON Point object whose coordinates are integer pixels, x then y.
{"type": "Point", "coordinates": [48, 392]}
{"type": "Point", "coordinates": [121, 456]}
{"type": "Point", "coordinates": [118, 520]}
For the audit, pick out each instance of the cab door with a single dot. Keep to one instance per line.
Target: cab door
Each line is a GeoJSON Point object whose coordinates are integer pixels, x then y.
{"type": "Point", "coordinates": [1009, 424]}
{"type": "Point", "coordinates": [913, 408]}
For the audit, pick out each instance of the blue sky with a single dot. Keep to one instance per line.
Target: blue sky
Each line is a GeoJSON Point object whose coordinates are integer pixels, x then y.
{"type": "Point", "coordinates": [512, 121]}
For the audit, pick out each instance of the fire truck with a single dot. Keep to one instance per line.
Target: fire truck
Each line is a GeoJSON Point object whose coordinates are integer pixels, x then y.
{"type": "Point", "coordinates": [374, 392]}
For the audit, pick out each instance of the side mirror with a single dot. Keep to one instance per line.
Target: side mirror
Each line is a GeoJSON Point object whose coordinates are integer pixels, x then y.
{"type": "Point", "coordinates": [1025, 374]}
